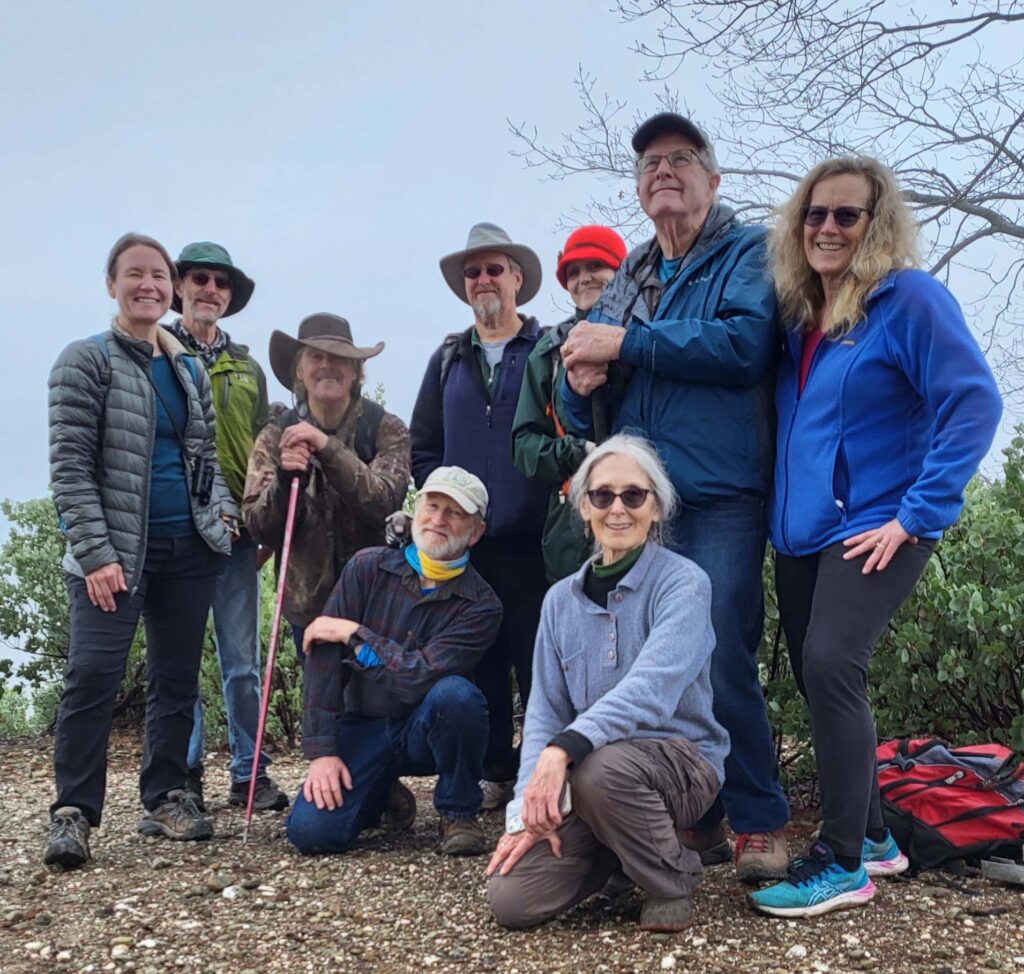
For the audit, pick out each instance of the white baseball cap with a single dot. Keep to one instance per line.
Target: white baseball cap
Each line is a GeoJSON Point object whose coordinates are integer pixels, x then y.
{"type": "Point", "coordinates": [467, 490]}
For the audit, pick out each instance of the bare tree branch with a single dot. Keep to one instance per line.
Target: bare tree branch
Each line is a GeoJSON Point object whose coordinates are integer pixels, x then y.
{"type": "Point", "coordinates": [801, 80]}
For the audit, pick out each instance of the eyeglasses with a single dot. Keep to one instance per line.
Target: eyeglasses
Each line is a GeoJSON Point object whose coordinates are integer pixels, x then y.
{"type": "Point", "coordinates": [202, 278]}
{"type": "Point", "coordinates": [677, 160]}
{"type": "Point", "coordinates": [845, 216]}
{"type": "Point", "coordinates": [603, 497]}
{"type": "Point", "coordinates": [493, 270]}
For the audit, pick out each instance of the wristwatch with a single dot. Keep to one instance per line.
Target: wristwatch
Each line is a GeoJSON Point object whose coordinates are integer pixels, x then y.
{"type": "Point", "coordinates": [353, 644]}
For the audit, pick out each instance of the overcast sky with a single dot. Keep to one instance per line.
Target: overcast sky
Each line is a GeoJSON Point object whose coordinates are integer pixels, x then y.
{"type": "Point", "coordinates": [336, 149]}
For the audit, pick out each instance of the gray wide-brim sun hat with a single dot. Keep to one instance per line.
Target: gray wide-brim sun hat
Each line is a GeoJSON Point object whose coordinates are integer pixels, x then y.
{"type": "Point", "coordinates": [212, 256]}
{"type": "Point", "coordinates": [322, 331]}
{"type": "Point", "coordinates": [489, 236]}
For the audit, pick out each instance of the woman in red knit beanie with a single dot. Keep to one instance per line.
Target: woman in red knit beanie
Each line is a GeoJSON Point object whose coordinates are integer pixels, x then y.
{"type": "Point", "coordinates": [540, 445]}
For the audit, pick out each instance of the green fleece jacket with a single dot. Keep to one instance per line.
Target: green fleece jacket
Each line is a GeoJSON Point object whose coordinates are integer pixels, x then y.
{"type": "Point", "coordinates": [538, 451]}
{"type": "Point", "coordinates": [240, 402]}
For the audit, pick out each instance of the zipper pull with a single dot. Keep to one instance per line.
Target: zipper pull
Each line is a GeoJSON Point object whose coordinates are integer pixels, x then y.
{"type": "Point", "coordinates": [488, 415]}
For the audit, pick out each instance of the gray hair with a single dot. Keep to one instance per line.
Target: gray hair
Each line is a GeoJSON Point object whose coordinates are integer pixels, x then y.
{"type": "Point", "coordinates": [513, 264]}
{"type": "Point", "coordinates": [646, 458]}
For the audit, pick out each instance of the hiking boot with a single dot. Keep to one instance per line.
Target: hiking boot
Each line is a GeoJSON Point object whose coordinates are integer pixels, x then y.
{"type": "Point", "coordinates": [69, 839]}
{"type": "Point", "coordinates": [267, 797]}
{"type": "Point", "coordinates": [761, 856]}
{"type": "Point", "coordinates": [617, 886]}
{"type": "Point", "coordinates": [660, 915]}
{"type": "Point", "coordinates": [462, 837]}
{"type": "Point", "coordinates": [814, 884]}
{"type": "Point", "coordinates": [883, 858]}
{"type": "Point", "coordinates": [711, 844]}
{"type": "Point", "coordinates": [177, 818]}
{"type": "Point", "coordinates": [497, 794]}
{"type": "Point", "coordinates": [194, 786]}
{"type": "Point", "coordinates": [401, 811]}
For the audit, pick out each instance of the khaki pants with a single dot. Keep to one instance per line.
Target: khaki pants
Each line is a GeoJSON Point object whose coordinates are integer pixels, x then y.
{"type": "Point", "coordinates": [631, 799]}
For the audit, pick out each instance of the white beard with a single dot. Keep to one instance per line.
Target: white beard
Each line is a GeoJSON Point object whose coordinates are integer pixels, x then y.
{"type": "Point", "coordinates": [487, 308]}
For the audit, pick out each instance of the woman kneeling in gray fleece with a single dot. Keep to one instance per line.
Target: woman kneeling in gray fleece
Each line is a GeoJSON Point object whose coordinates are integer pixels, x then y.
{"type": "Point", "coordinates": [620, 711]}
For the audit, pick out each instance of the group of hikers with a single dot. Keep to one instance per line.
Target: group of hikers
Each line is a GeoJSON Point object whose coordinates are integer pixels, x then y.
{"type": "Point", "coordinates": [593, 503]}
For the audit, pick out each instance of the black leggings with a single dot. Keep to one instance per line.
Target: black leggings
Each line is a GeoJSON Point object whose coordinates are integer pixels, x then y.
{"type": "Point", "coordinates": [514, 568]}
{"type": "Point", "coordinates": [832, 616]}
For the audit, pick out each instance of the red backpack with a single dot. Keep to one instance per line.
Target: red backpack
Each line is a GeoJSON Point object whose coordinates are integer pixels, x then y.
{"type": "Point", "coordinates": [943, 803]}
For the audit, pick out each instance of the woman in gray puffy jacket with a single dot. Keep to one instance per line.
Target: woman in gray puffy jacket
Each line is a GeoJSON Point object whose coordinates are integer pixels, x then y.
{"type": "Point", "coordinates": [147, 517]}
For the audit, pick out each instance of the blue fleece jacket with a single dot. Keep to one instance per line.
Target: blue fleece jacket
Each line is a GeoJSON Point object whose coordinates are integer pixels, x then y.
{"type": "Point", "coordinates": [701, 369]}
{"type": "Point", "coordinates": [892, 423]}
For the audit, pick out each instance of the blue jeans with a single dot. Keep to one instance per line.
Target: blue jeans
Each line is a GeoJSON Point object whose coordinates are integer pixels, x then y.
{"type": "Point", "coordinates": [727, 539]}
{"type": "Point", "coordinates": [236, 612]}
{"type": "Point", "coordinates": [445, 735]}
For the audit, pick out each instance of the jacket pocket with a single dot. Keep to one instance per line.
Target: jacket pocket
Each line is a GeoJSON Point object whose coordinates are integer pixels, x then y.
{"type": "Point", "coordinates": [841, 483]}
{"type": "Point", "coordinates": [574, 672]}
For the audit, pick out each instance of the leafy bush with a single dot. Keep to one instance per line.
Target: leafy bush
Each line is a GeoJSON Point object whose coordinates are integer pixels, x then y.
{"type": "Point", "coordinates": [952, 660]}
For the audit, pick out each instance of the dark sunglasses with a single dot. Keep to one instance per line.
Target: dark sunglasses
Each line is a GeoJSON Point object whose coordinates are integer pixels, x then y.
{"type": "Point", "coordinates": [493, 270]}
{"type": "Point", "coordinates": [846, 216]}
{"type": "Point", "coordinates": [604, 497]}
{"type": "Point", "coordinates": [202, 278]}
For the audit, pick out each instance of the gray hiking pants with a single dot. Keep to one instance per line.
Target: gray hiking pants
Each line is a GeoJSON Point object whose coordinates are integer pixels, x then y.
{"type": "Point", "coordinates": [631, 800]}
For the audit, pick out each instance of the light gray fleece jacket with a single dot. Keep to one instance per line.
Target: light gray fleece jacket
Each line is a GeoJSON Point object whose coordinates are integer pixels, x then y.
{"type": "Point", "coordinates": [638, 669]}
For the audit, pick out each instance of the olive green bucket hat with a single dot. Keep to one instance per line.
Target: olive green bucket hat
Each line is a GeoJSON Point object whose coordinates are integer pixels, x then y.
{"type": "Point", "coordinates": [205, 254]}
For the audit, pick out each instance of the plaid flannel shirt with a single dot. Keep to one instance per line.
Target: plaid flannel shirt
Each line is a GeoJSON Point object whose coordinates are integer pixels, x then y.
{"type": "Point", "coordinates": [415, 639]}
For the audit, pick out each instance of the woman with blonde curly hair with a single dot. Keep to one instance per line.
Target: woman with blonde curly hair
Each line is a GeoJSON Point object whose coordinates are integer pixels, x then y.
{"type": "Point", "coordinates": [885, 409]}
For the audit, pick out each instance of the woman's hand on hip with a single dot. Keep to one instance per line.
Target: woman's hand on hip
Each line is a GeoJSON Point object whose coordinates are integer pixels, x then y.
{"type": "Point", "coordinates": [512, 847]}
{"type": "Point", "coordinates": [879, 544]}
{"type": "Point", "coordinates": [104, 584]}
{"type": "Point", "coordinates": [544, 791]}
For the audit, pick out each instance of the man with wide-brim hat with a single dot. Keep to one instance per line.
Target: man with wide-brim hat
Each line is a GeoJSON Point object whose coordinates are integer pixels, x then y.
{"type": "Point", "coordinates": [691, 316]}
{"type": "Point", "coordinates": [463, 417]}
{"type": "Point", "coordinates": [350, 454]}
{"type": "Point", "coordinates": [210, 288]}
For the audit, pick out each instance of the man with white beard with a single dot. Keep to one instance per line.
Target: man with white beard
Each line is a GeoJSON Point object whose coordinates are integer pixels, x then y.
{"type": "Point", "coordinates": [463, 416]}
{"type": "Point", "coordinates": [386, 679]}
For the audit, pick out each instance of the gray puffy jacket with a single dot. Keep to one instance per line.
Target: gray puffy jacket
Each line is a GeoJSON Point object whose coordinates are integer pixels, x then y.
{"type": "Point", "coordinates": [102, 424]}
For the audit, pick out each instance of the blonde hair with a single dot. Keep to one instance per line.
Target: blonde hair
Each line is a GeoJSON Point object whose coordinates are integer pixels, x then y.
{"type": "Point", "coordinates": [889, 243]}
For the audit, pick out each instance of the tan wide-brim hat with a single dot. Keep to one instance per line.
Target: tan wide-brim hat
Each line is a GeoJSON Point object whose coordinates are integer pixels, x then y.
{"type": "Point", "coordinates": [323, 331]}
{"type": "Point", "coordinates": [489, 236]}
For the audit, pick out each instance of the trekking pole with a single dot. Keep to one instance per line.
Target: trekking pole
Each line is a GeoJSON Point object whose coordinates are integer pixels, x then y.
{"type": "Point", "coordinates": [268, 675]}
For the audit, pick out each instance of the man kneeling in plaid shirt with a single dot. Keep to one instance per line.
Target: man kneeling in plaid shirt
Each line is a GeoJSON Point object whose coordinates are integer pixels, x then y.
{"type": "Point", "coordinates": [387, 688]}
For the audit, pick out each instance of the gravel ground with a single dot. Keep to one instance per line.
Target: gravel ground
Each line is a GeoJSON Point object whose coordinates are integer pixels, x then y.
{"type": "Point", "coordinates": [393, 904]}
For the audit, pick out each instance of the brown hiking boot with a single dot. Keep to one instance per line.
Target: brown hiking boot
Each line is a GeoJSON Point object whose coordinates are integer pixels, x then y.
{"type": "Point", "coordinates": [712, 845]}
{"type": "Point", "coordinates": [761, 856]}
{"type": "Point", "coordinates": [666, 915]}
{"type": "Point", "coordinates": [462, 837]}
{"type": "Point", "coordinates": [401, 811]}
{"type": "Point", "coordinates": [69, 839]}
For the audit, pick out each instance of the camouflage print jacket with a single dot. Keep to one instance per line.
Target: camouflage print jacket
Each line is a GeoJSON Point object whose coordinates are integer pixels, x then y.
{"type": "Point", "coordinates": [341, 510]}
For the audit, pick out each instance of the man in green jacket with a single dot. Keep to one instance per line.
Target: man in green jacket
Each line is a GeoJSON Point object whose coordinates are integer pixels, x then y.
{"type": "Point", "coordinates": [209, 288]}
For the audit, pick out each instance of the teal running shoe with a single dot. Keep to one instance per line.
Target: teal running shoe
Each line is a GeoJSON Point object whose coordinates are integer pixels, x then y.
{"type": "Point", "coordinates": [883, 858]}
{"type": "Point", "coordinates": [815, 884]}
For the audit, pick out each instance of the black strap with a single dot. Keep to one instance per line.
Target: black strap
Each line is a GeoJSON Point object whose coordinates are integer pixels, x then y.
{"type": "Point", "coordinates": [170, 417]}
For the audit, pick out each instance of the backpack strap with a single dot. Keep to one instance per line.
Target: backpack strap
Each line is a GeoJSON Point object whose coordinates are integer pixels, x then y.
{"type": "Point", "coordinates": [449, 347]}
{"type": "Point", "coordinates": [365, 441]}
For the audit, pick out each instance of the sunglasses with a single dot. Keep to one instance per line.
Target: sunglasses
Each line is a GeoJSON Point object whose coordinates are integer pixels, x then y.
{"type": "Point", "coordinates": [845, 216]}
{"type": "Point", "coordinates": [202, 278]}
{"type": "Point", "coordinates": [493, 270]}
{"type": "Point", "coordinates": [604, 497]}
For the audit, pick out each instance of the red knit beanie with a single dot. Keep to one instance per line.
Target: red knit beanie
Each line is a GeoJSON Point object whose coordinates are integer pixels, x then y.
{"type": "Point", "coordinates": [591, 243]}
